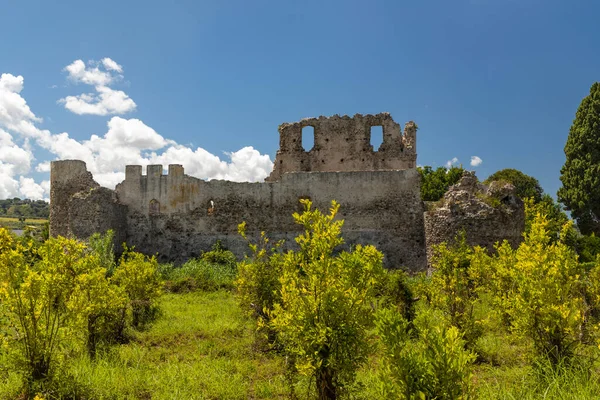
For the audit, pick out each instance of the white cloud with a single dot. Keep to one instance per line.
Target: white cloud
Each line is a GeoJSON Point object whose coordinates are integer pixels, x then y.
{"type": "Point", "coordinates": [15, 114]}
{"type": "Point", "coordinates": [476, 161]}
{"type": "Point", "coordinates": [450, 163]}
{"type": "Point", "coordinates": [106, 101]}
{"type": "Point", "coordinates": [29, 189]}
{"type": "Point", "coordinates": [111, 65]}
{"type": "Point", "coordinates": [90, 75]}
{"type": "Point", "coordinates": [126, 141]}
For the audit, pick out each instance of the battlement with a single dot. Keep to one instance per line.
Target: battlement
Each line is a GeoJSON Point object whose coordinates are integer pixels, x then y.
{"type": "Point", "coordinates": [134, 172]}
{"type": "Point", "coordinates": [343, 143]}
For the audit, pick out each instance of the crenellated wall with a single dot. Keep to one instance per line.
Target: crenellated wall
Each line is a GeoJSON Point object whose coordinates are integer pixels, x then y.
{"type": "Point", "coordinates": [177, 216]}
{"type": "Point", "coordinates": [343, 143]}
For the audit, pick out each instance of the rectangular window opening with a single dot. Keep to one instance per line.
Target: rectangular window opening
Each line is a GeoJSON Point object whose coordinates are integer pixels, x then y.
{"type": "Point", "coordinates": [376, 137]}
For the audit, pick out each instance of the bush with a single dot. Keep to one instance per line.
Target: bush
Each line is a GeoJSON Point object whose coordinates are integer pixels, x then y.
{"type": "Point", "coordinates": [35, 298]}
{"type": "Point", "coordinates": [258, 285]}
{"type": "Point", "coordinates": [324, 314]}
{"type": "Point", "coordinates": [540, 286]}
{"type": "Point", "coordinates": [198, 274]}
{"type": "Point", "coordinates": [138, 275]}
{"type": "Point", "coordinates": [454, 286]}
{"type": "Point", "coordinates": [394, 291]}
{"type": "Point", "coordinates": [434, 365]}
{"type": "Point", "coordinates": [220, 255]}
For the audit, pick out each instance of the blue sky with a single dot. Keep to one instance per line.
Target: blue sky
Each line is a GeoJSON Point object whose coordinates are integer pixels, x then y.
{"type": "Point", "coordinates": [199, 82]}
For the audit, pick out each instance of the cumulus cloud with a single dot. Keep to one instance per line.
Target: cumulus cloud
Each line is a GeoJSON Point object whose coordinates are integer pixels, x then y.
{"type": "Point", "coordinates": [88, 74]}
{"type": "Point", "coordinates": [476, 161]}
{"type": "Point", "coordinates": [15, 114]}
{"type": "Point", "coordinates": [126, 141]}
{"type": "Point", "coordinates": [452, 162]}
{"type": "Point", "coordinates": [111, 65]}
{"type": "Point", "coordinates": [106, 101]}
{"type": "Point", "coordinates": [29, 189]}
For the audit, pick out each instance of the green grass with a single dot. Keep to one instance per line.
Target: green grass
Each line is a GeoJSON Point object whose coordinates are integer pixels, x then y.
{"type": "Point", "coordinates": [200, 349]}
{"type": "Point", "coordinates": [203, 347]}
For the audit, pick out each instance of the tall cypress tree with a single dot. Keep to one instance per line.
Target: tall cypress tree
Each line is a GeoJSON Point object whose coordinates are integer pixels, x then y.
{"type": "Point", "coordinates": [580, 175]}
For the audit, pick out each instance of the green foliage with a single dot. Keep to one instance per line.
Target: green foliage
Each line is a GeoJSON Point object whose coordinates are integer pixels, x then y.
{"type": "Point", "coordinates": [454, 285]}
{"type": "Point", "coordinates": [36, 296]}
{"type": "Point", "coordinates": [394, 291]}
{"type": "Point", "coordinates": [555, 216]}
{"type": "Point", "coordinates": [540, 287]}
{"type": "Point", "coordinates": [587, 247]}
{"type": "Point", "coordinates": [526, 186]}
{"type": "Point", "coordinates": [220, 255]}
{"type": "Point", "coordinates": [435, 183]}
{"type": "Point", "coordinates": [323, 317]}
{"type": "Point", "coordinates": [580, 175]}
{"type": "Point", "coordinates": [102, 247]}
{"type": "Point", "coordinates": [258, 285]}
{"type": "Point", "coordinates": [27, 208]}
{"type": "Point", "coordinates": [431, 364]}
{"type": "Point", "coordinates": [138, 275]}
{"type": "Point", "coordinates": [198, 274]}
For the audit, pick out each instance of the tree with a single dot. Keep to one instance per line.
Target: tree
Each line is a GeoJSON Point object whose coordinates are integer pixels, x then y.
{"type": "Point", "coordinates": [580, 175]}
{"type": "Point", "coordinates": [435, 183]}
{"type": "Point", "coordinates": [526, 186]}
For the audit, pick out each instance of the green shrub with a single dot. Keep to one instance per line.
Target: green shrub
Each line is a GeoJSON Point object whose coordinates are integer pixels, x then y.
{"type": "Point", "coordinates": [323, 318]}
{"type": "Point", "coordinates": [35, 299]}
{"type": "Point", "coordinates": [394, 291]}
{"type": "Point", "coordinates": [220, 255]}
{"type": "Point", "coordinates": [434, 365]}
{"type": "Point", "coordinates": [540, 286]}
{"type": "Point", "coordinates": [138, 275]}
{"type": "Point", "coordinates": [454, 286]}
{"type": "Point", "coordinates": [199, 274]}
{"type": "Point", "coordinates": [258, 282]}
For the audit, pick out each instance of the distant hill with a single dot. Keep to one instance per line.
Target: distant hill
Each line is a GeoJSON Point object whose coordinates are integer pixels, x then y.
{"type": "Point", "coordinates": [24, 208]}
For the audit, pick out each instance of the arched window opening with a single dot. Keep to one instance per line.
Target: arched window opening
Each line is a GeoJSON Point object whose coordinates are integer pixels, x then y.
{"type": "Point", "coordinates": [308, 138]}
{"type": "Point", "coordinates": [154, 207]}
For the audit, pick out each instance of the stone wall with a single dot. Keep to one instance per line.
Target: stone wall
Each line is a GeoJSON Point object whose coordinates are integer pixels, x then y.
{"type": "Point", "coordinates": [487, 214]}
{"type": "Point", "coordinates": [179, 216]}
{"type": "Point", "coordinates": [344, 144]}
{"type": "Point", "coordinates": [79, 207]}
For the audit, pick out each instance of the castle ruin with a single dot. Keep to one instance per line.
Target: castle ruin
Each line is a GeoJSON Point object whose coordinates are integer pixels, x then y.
{"type": "Point", "coordinates": [177, 216]}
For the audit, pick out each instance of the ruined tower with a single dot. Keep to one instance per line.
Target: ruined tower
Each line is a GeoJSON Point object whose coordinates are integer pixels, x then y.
{"type": "Point", "coordinates": [343, 143]}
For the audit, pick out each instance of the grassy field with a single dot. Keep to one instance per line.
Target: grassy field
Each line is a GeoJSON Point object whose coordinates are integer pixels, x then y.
{"type": "Point", "coordinates": [14, 223]}
{"type": "Point", "coordinates": [202, 347]}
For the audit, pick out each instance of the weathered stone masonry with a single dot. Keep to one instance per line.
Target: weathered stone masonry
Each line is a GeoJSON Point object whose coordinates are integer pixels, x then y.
{"type": "Point", "coordinates": [177, 216]}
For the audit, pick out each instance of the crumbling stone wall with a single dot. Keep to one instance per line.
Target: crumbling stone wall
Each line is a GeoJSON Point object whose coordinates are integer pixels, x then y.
{"type": "Point", "coordinates": [177, 216]}
{"type": "Point", "coordinates": [487, 214]}
{"type": "Point", "coordinates": [79, 207]}
{"type": "Point", "coordinates": [344, 144]}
